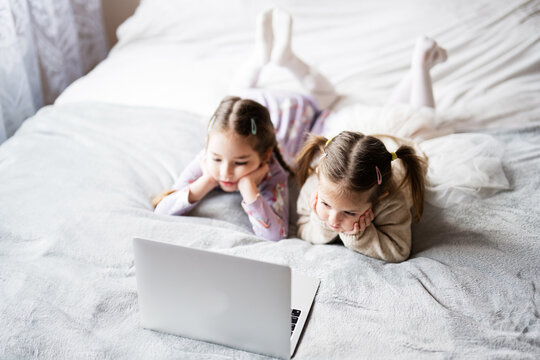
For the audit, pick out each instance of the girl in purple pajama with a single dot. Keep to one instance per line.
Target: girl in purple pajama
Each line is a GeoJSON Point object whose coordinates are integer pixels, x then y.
{"type": "Point", "coordinates": [242, 155]}
{"type": "Point", "coordinates": [242, 152]}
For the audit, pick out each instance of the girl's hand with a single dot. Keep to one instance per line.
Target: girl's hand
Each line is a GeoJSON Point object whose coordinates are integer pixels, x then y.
{"type": "Point", "coordinates": [363, 222]}
{"type": "Point", "coordinates": [247, 185]}
{"type": "Point", "coordinates": [255, 177]}
{"type": "Point", "coordinates": [202, 186]}
{"type": "Point", "coordinates": [208, 179]}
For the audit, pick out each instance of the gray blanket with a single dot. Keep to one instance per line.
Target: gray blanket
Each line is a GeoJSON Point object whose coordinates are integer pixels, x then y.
{"type": "Point", "coordinates": [76, 184]}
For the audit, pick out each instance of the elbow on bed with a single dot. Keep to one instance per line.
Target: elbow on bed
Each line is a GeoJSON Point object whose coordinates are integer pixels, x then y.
{"type": "Point", "coordinates": [399, 254]}
{"type": "Point", "coordinates": [396, 259]}
{"type": "Point", "coordinates": [272, 236]}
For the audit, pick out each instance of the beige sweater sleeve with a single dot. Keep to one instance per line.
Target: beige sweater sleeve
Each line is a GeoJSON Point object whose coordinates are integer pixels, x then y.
{"type": "Point", "coordinates": [389, 235]}
{"type": "Point", "coordinates": [310, 228]}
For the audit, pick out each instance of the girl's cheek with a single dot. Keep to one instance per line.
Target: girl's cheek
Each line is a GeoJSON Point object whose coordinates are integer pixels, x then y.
{"type": "Point", "coordinates": [214, 172]}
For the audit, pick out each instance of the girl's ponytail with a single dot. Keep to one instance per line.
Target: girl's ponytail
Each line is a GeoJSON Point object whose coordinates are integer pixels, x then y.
{"type": "Point", "coordinates": [313, 145]}
{"type": "Point", "coordinates": [415, 167]}
{"type": "Point", "coordinates": [281, 161]}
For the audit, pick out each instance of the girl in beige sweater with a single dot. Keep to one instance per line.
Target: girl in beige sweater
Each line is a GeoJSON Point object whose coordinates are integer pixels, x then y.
{"type": "Point", "coordinates": [367, 190]}
{"type": "Point", "coordinates": [361, 193]}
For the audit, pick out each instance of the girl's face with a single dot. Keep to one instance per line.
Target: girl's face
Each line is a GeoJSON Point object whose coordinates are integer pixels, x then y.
{"type": "Point", "coordinates": [338, 211]}
{"type": "Point", "coordinates": [229, 157]}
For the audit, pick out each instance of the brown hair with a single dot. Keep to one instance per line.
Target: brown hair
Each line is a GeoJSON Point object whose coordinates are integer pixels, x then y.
{"type": "Point", "coordinates": [351, 160]}
{"type": "Point", "coordinates": [236, 114]}
{"type": "Point", "coordinates": [248, 119]}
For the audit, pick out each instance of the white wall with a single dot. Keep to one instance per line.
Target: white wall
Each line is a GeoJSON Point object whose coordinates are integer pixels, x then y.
{"type": "Point", "coordinates": [114, 13]}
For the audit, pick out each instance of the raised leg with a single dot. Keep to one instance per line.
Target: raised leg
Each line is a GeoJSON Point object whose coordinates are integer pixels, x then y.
{"type": "Point", "coordinates": [318, 86]}
{"type": "Point", "coordinates": [248, 73]}
{"type": "Point", "coordinates": [416, 87]}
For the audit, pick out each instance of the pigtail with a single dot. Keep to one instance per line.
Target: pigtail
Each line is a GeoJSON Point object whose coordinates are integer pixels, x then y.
{"type": "Point", "coordinates": [415, 167]}
{"type": "Point", "coordinates": [313, 145]}
{"type": "Point", "coordinates": [281, 161]}
{"type": "Point", "coordinates": [157, 199]}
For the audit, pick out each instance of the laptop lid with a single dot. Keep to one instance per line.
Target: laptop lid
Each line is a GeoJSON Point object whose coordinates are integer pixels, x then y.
{"type": "Point", "coordinates": [214, 297]}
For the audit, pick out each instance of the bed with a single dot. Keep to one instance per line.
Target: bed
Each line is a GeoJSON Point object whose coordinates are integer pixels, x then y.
{"type": "Point", "coordinates": [77, 181]}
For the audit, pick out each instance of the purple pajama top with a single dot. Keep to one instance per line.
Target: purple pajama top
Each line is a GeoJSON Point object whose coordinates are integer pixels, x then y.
{"type": "Point", "coordinates": [293, 116]}
{"type": "Point", "coordinates": [268, 214]}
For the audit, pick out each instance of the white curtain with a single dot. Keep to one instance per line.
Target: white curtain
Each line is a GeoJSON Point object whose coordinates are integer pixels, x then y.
{"type": "Point", "coordinates": [44, 46]}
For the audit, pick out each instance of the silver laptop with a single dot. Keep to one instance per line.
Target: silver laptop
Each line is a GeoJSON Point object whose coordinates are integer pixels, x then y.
{"type": "Point", "coordinates": [229, 300]}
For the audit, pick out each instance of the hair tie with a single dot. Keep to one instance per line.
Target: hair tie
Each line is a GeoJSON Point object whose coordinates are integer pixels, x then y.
{"type": "Point", "coordinates": [394, 156]}
{"type": "Point", "coordinates": [324, 154]}
{"type": "Point", "coordinates": [379, 175]}
{"type": "Point", "coordinates": [328, 141]}
{"type": "Point", "coordinates": [253, 127]}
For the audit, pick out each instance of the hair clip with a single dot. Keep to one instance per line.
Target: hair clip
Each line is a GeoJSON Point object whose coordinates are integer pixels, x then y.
{"type": "Point", "coordinates": [253, 127]}
{"type": "Point", "coordinates": [379, 175]}
{"type": "Point", "coordinates": [394, 156]}
{"type": "Point", "coordinates": [211, 122]}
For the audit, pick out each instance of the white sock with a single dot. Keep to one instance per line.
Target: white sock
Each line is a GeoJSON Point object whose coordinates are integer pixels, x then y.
{"type": "Point", "coordinates": [314, 82]}
{"type": "Point", "coordinates": [426, 54]}
{"type": "Point", "coordinates": [248, 73]}
{"type": "Point", "coordinates": [282, 29]}
{"type": "Point", "coordinates": [264, 38]}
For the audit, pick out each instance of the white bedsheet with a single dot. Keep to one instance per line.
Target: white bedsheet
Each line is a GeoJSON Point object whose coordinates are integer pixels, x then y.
{"type": "Point", "coordinates": [76, 187]}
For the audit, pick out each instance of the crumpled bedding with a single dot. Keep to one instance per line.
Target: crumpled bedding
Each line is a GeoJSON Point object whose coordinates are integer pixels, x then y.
{"type": "Point", "coordinates": [76, 187]}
